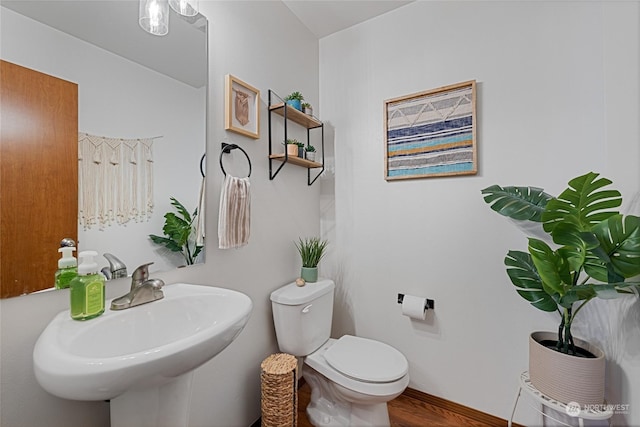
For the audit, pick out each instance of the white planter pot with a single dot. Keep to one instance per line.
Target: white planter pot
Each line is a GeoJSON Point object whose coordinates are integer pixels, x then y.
{"type": "Point", "coordinates": [311, 155]}
{"type": "Point", "coordinates": [564, 377]}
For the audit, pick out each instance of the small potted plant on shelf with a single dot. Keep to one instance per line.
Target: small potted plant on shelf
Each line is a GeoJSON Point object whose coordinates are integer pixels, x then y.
{"type": "Point", "coordinates": [595, 250]}
{"type": "Point", "coordinates": [307, 108]}
{"type": "Point", "coordinates": [311, 252]}
{"type": "Point", "coordinates": [300, 146]}
{"type": "Point", "coordinates": [310, 152]}
{"type": "Point", "coordinates": [295, 100]}
{"type": "Point", "coordinates": [292, 146]}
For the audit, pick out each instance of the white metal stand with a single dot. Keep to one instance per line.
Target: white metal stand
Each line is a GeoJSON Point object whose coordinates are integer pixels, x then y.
{"type": "Point", "coordinates": [603, 413]}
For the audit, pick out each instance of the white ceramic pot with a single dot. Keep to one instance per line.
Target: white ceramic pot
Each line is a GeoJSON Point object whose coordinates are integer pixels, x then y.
{"type": "Point", "coordinates": [311, 155]}
{"type": "Point", "coordinates": [564, 377]}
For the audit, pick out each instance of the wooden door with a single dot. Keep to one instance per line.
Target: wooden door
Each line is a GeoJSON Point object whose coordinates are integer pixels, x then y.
{"type": "Point", "coordinates": [38, 176]}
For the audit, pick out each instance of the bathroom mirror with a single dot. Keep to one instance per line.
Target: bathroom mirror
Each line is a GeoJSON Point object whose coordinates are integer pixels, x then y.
{"type": "Point", "coordinates": [96, 44]}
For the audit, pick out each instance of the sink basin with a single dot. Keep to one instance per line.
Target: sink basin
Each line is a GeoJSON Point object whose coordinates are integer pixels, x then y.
{"type": "Point", "coordinates": [141, 348]}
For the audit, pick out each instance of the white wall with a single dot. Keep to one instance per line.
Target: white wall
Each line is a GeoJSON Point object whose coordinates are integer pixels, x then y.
{"type": "Point", "coordinates": [557, 96]}
{"type": "Point", "coordinates": [118, 98]}
{"type": "Point", "coordinates": [251, 40]}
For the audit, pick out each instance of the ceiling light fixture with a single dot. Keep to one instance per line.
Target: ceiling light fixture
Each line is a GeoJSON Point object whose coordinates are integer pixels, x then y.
{"type": "Point", "coordinates": [185, 7]}
{"type": "Point", "coordinates": [153, 15]}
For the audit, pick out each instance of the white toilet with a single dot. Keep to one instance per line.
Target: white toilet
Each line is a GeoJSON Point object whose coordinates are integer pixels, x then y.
{"type": "Point", "coordinates": [351, 378]}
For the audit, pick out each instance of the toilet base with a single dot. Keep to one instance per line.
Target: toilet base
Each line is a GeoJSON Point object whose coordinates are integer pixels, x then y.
{"type": "Point", "coordinates": [328, 408]}
{"type": "Point", "coordinates": [373, 415]}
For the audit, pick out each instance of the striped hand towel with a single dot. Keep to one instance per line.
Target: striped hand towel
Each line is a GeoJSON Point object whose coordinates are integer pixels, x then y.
{"type": "Point", "coordinates": [235, 213]}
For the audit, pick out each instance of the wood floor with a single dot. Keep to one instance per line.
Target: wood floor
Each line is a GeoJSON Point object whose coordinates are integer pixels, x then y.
{"type": "Point", "coordinates": [404, 411]}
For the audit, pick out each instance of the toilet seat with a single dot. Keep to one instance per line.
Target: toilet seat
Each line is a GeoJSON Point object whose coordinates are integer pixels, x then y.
{"type": "Point", "coordinates": [366, 360]}
{"type": "Point", "coordinates": [318, 362]}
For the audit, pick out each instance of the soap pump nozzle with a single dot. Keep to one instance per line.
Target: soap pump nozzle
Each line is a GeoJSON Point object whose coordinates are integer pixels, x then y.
{"type": "Point", "coordinates": [67, 259]}
{"type": "Point", "coordinates": [88, 265]}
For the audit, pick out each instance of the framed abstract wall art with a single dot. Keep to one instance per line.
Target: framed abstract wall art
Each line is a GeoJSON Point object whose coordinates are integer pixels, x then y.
{"type": "Point", "coordinates": [431, 133]}
{"type": "Point", "coordinates": [242, 107]}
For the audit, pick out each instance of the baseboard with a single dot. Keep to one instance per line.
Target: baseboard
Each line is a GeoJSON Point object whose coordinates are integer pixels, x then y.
{"type": "Point", "coordinates": [474, 414]}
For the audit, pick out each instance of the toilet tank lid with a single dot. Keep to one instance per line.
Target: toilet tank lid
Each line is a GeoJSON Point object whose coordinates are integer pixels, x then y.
{"type": "Point", "coordinates": [293, 294]}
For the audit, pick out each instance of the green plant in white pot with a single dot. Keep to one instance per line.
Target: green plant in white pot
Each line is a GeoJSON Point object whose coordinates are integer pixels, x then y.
{"type": "Point", "coordinates": [598, 250]}
{"type": "Point", "coordinates": [310, 151]}
{"type": "Point", "coordinates": [307, 108]}
{"type": "Point", "coordinates": [311, 251]}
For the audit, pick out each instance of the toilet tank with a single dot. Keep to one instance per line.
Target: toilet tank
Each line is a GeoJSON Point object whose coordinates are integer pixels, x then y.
{"type": "Point", "coordinates": [302, 316]}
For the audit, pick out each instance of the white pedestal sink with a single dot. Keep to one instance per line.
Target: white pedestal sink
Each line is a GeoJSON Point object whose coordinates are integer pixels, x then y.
{"type": "Point", "coordinates": [141, 358]}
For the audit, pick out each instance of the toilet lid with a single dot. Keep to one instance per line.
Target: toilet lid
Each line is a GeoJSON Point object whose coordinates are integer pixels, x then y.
{"type": "Point", "coordinates": [366, 360]}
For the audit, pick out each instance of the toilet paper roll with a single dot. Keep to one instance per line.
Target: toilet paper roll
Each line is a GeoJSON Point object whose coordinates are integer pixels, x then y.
{"type": "Point", "coordinates": [414, 307]}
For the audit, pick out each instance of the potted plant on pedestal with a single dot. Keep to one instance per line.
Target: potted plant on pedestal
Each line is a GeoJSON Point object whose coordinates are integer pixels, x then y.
{"type": "Point", "coordinates": [295, 100]}
{"type": "Point", "coordinates": [596, 249]}
{"type": "Point", "coordinates": [311, 251]}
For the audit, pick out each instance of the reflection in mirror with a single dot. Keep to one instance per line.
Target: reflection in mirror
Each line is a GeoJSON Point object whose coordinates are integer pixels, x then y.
{"type": "Point", "coordinates": [132, 86]}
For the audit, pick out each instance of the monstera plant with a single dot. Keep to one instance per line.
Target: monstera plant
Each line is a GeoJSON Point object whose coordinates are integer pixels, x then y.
{"type": "Point", "coordinates": [178, 229]}
{"type": "Point", "coordinates": [598, 249]}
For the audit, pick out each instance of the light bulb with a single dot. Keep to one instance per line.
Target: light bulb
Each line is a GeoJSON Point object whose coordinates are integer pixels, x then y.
{"type": "Point", "coordinates": [154, 16]}
{"type": "Point", "coordinates": [185, 7]}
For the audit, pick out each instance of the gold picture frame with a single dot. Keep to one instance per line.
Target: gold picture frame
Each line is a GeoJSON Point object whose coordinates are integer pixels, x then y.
{"type": "Point", "coordinates": [242, 107]}
{"type": "Point", "coordinates": [431, 133]}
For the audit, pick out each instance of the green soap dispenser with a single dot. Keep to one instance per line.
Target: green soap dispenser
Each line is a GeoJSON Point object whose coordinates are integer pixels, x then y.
{"type": "Point", "coordinates": [87, 289]}
{"type": "Point", "coordinates": [67, 267]}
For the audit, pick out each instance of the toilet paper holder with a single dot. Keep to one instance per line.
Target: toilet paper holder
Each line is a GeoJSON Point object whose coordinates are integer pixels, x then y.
{"type": "Point", "coordinates": [428, 304]}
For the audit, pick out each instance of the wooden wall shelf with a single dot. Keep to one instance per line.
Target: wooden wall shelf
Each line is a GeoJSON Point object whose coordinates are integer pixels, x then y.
{"type": "Point", "coordinates": [296, 116]}
{"type": "Point", "coordinates": [308, 122]}
{"type": "Point", "coordinates": [296, 161]}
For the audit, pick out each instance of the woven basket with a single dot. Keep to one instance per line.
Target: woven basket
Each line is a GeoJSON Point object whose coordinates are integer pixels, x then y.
{"type": "Point", "coordinates": [279, 390]}
{"type": "Point", "coordinates": [567, 378]}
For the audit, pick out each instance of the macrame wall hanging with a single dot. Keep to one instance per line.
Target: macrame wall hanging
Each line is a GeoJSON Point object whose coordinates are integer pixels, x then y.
{"type": "Point", "coordinates": [115, 179]}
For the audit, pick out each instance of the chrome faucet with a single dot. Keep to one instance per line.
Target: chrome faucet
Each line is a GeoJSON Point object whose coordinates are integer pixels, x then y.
{"type": "Point", "coordinates": [116, 269]}
{"type": "Point", "coordinates": [143, 290]}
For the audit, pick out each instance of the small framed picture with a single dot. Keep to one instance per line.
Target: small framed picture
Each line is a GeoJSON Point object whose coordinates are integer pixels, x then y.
{"type": "Point", "coordinates": [242, 107]}
{"type": "Point", "coordinates": [431, 133]}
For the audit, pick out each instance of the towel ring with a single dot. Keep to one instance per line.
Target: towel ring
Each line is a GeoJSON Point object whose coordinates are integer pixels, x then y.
{"type": "Point", "coordinates": [226, 148]}
{"type": "Point", "coordinates": [202, 164]}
